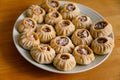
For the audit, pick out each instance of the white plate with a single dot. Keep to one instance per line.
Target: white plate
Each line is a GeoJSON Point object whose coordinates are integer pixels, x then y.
{"type": "Point", "coordinates": [98, 60]}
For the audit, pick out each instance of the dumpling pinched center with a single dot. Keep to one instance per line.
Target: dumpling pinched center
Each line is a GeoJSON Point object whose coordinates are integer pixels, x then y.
{"type": "Point", "coordinates": [102, 40]}
{"type": "Point", "coordinates": [38, 10]}
{"type": "Point", "coordinates": [82, 34]}
{"type": "Point", "coordinates": [53, 4]}
{"type": "Point", "coordinates": [82, 51]}
{"type": "Point", "coordinates": [100, 25]}
{"type": "Point", "coordinates": [70, 7]}
{"type": "Point", "coordinates": [46, 48]}
{"type": "Point", "coordinates": [82, 18]}
{"type": "Point", "coordinates": [64, 57]}
{"type": "Point", "coordinates": [55, 15]}
{"type": "Point", "coordinates": [46, 29]}
{"type": "Point", "coordinates": [65, 23]}
{"type": "Point", "coordinates": [29, 23]}
{"type": "Point", "coordinates": [32, 37]}
{"type": "Point", "coordinates": [63, 41]}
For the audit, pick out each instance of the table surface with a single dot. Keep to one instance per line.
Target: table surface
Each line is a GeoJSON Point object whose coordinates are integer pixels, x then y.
{"type": "Point", "coordinates": [14, 67]}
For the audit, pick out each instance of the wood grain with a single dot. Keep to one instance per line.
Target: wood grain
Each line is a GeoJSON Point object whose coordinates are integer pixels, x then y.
{"type": "Point", "coordinates": [14, 67]}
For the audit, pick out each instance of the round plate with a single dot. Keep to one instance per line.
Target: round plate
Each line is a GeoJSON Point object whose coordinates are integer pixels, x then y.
{"type": "Point", "coordinates": [98, 60]}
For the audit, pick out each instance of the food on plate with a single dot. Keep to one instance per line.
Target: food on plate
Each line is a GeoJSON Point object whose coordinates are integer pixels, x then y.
{"type": "Point", "coordinates": [62, 35]}
{"type": "Point", "coordinates": [50, 5]}
{"type": "Point", "coordinates": [83, 54]}
{"type": "Point", "coordinates": [64, 28]}
{"type": "Point", "coordinates": [82, 36]}
{"type": "Point", "coordinates": [69, 11]}
{"type": "Point", "coordinates": [53, 17]}
{"type": "Point", "coordinates": [28, 40]}
{"type": "Point", "coordinates": [82, 21]}
{"type": "Point", "coordinates": [62, 44]}
{"type": "Point", "coordinates": [101, 28]}
{"type": "Point", "coordinates": [45, 33]}
{"type": "Point", "coordinates": [27, 25]}
{"type": "Point", "coordinates": [36, 12]}
{"type": "Point", "coordinates": [64, 62]}
{"type": "Point", "coordinates": [42, 53]}
{"type": "Point", "coordinates": [102, 45]}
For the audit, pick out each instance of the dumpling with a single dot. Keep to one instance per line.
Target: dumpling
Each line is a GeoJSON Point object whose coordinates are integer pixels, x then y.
{"type": "Point", "coordinates": [28, 40]}
{"type": "Point", "coordinates": [102, 45]}
{"type": "Point", "coordinates": [51, 5]}
{"type": "Point", "coordinates": [62, 44]}
{"type": "Point", "coordinates": [53, 17]}
{"type": "Point", "coordinates": [82, 21]}
{"type": "Point", "coordinates": [27, 24]}
{"type": "Point", "coordinates": [64, 61]}
{"type": "Point", "coordinates": [46, 33]}
{"type": "Point", "coordinates": [81, 36]}
{"type": "Point", "coordinates": [43, 54]}
{"type": "Point", "coordinates": [83, 54]}
{"type": "Point", "coordinates": [69, 11]}
{"type": "Point", "coordinates": [64, 28]}
{"type": "Point", "coordinates": [101, 28]}
{"type": "Point", "coordinates": [36, 12]}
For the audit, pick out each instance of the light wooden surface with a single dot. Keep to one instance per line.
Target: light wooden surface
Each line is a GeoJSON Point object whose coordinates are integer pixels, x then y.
{"type": "Point", "coordinates": [14, 67]}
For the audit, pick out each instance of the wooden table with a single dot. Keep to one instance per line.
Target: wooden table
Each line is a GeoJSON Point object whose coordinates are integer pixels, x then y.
{"type": "Point", "coordinates": [14, 67]}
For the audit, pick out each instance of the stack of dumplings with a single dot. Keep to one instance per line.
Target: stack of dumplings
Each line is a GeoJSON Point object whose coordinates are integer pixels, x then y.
{"type": "Point", "coordinates": [60, 35]}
